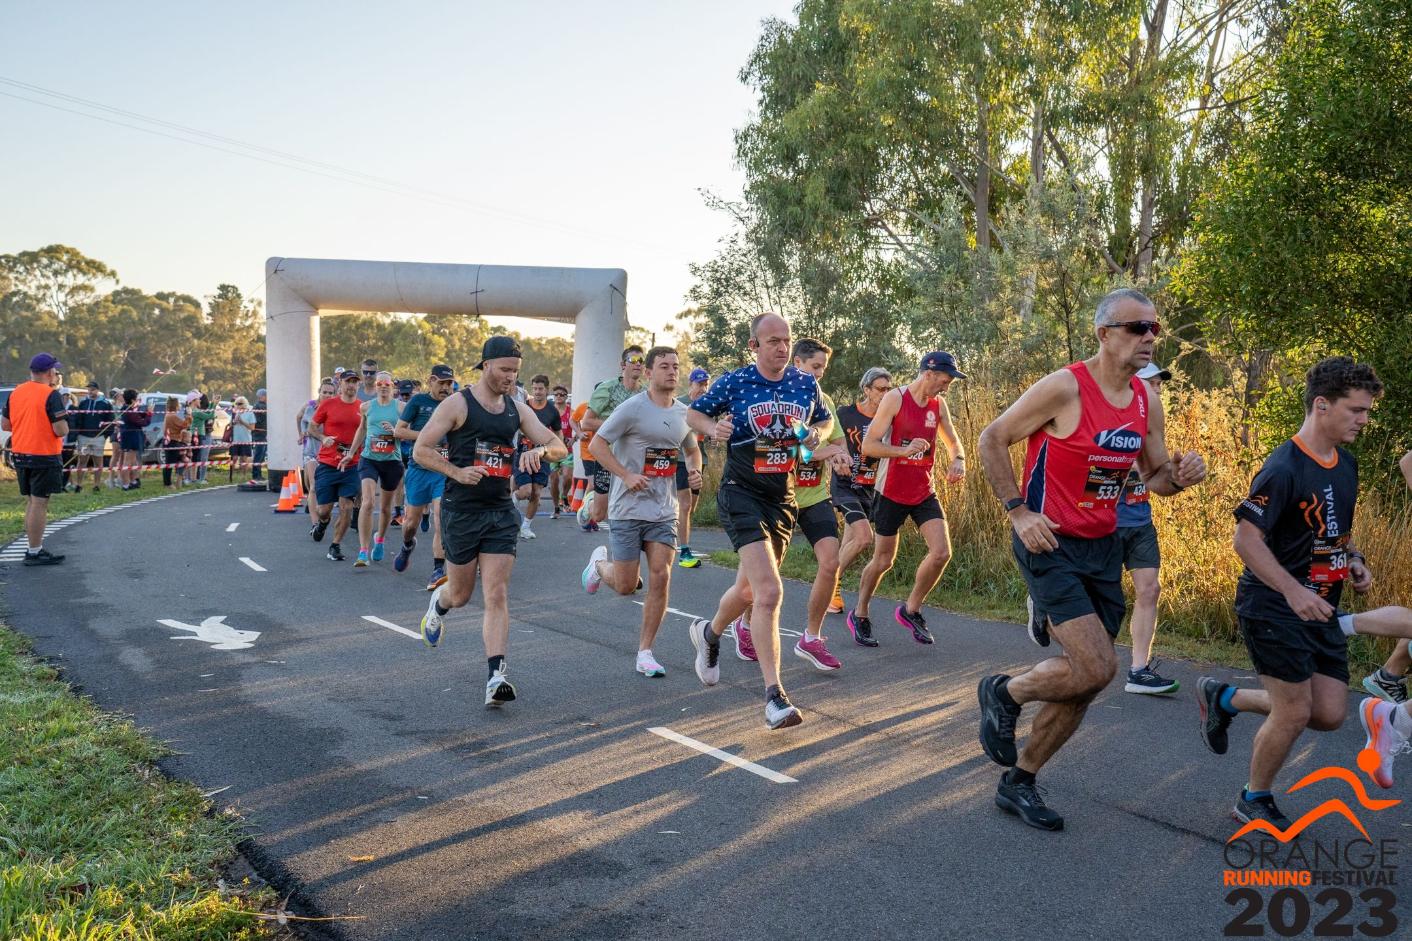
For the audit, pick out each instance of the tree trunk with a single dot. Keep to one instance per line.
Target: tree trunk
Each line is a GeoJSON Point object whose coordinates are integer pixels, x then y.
{"type": "Point", "coordinates": [1142, 266]}
{"type": "Point", "coordinates": [1027, 296]}
{"type": "Point", "coordinates": [982, 166]}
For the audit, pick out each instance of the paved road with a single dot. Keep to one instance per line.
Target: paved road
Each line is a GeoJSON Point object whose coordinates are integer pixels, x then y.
{"type": "Point", "coordinates": [375, 783]}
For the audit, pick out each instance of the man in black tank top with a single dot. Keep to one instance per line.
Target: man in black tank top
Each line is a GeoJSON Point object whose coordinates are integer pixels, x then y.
{"type": "Point", "coordinates": [479, 522]}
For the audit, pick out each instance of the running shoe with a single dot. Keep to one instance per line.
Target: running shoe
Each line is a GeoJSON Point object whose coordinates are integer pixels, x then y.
{"type": "Point", "coordinates": [42, 557]}
{"type": "Point", "coordinates": [1393, 691]}
{"type": "Point", "coordinates": [525, 531]}
{"type": "Point", "coordinates": [647, 664]}
{"type": "Point", "coordinates": [555, 514]}
{"type": "Point", "coordinates": [432, 623]}
{"type": "Point", "coordinates": [914, 623]}
{"type": "Point", "coordinates": [687, 560]}
{"type": "Point", "coordinates": [836, 605]}
{"type": "Point", "coordinates": [498, 690]}
{"type": "Point", "coordinates": [396, 519]}
{"type": "Point", "coordinates": [584, 514]}
{"type": "Point", "coordinates": [404, 555]}
{"type": "Point", "coordinates": [1259, 808]}
{"type": "Point", "coordinates": [362, 561]}
{"type": "Point", "coordinates": [708, 651]}
{"type": "Point", "coordinates": [438, 578]}
{"type": "Point", "coordinates": [780, 712]}
{"type": "Point", "coordinates": [997, 723]}
{"type": "Point", "coordinates": [862, 630]}
{"type": "Point", "coordinates": [1148, 680]}
{"type": "Point", "coordinates": [1384, 742]}
{"type": "Point", "coordinates": [1214, 720]}
{"type": "Point", "coordinates": [335, 553]}
{"type": "Point", "coordinates": [744, 644]}
{"type": "Point", "coordinates": [316, 532]}
{"type": "Point", "coordinates": [813, 650]}
{"type": "Point", "coordinates": [426, 521]}
{"type": "Point", "coordinates": [1038, 623]}
{"type": "Point", "coordinates": [1026, 801]}
{"type": "Point", "coordinates": [378, 550]}
{"type": "Point", "coordinates": [591, 579]}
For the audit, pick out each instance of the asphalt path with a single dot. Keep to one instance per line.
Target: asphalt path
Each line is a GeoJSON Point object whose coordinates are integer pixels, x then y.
{"type": "Point", "coordinates": [376, 785]}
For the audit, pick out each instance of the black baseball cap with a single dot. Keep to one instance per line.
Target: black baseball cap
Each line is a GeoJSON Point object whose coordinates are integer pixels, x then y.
{"type": "Point", "coordinates": [942, 361]}
{"type": "Point", "coordinates": [499, 348]}
{"type": "Point", "coordinates": [405, 387]}
{"type": "Point", "coordinates": [442, 371]}
{"type": "Point", "coordinates": [93, 385]}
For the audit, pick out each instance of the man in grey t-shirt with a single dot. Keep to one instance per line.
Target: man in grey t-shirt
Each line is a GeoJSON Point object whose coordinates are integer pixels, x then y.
{"type": "Point", "coordinates": [640, 444]}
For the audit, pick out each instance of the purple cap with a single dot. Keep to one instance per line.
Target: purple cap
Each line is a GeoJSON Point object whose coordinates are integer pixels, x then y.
{"type": "Point", "coordinates": [698, 375]}
{"type": "Point", "coordinates": [43, 362]}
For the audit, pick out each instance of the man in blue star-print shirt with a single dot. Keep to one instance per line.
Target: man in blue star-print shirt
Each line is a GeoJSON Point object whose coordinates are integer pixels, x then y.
{"type": "Point", "coordinates": [763, 411]}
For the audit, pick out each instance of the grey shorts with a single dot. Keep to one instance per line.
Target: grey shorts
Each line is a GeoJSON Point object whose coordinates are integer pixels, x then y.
{"type": "Point", "coordinates": [91, 446]}
{"type": "Point", "coordinates": [1140, 547]}
{"type": "Point", "coordinates": [627, 537]}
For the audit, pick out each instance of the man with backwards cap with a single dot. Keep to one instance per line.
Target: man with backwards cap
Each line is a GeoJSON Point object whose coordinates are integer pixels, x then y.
{"type": "Point", "coordinates": [903, 436]}
{"type": "Point", "coordinates": [687, 498]}
{"type": "Point", "coordinates": [35, 416]}
{"type": "Point", "coordinates": [480, 526]}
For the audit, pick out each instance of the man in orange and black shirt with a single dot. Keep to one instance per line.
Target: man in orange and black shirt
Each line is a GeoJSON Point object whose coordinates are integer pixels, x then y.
{"type": "Point", "coordinates": [37, 420]}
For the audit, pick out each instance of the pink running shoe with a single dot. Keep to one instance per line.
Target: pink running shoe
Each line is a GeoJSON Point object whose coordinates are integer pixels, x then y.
{"type": "Point", "coordinates": [744, 646]}
{"type": "Point", "coordinates": [813, 650]}
{"type": "Point", "coordinates": [1384, 742]}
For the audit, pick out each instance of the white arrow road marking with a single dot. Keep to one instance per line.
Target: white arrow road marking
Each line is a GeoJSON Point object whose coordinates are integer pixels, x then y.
{"type": "Point", "coordinates": [253, 564]}
{"type": "Point", "coordinates": [214, 631]}
{"type": "Point", "coordinates": [231, 527]}
{"type": "Point", "coordinates": [729, 632]}
{"type": "Point", "coordinates": [727, 757]}
{"type": "Point", "coordinates": [390, 626]}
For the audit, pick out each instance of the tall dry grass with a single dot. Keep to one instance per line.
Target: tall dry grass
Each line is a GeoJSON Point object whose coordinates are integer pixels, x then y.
{"type": "Point", "coordinates": [1195, 529]}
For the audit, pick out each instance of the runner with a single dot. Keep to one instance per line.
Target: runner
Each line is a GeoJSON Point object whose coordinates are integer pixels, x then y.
{"type": "Point", "coordinates": [642, 444]}
{"type": "Point", "coordinates": [561, 475]}
{"type": "Point", "coordinates": [608, 395]}
{"type": "Point", "coordinates": [424, 487]}
{"type": "Point", "coordinates": [379, 466]}
{"type": "Point", "coordinates": [765, 407]}
{"type": "Point", "coordinates": [1085, 425]}
{"type": "Point", "coordinates": [367, 389]}
{"type": "Point", "coordinates": [687, 496]}
{"type": "Point", "coordinates": [1294, 535]}
{"type": "Point", "coordinates": [335, 422]}
{"type": "Point", "coordinates": [528, 486]}
{"type": "Point", "coordinates": [588, 466]}
{"type": "Point", "coordinates": [852, 493]}
{"type": "Point", "coordinates": [479, 522]}
{"type": "Point", "coordinates": [903, 435]}
{"type": "Point", "coordinates": [816, 521]}
{"type": "Point", "coordinates": [309, 445]}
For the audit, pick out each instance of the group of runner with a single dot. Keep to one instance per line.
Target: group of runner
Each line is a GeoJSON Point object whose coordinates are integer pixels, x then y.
{"type": "Point", "coordinates": [1095, 454]}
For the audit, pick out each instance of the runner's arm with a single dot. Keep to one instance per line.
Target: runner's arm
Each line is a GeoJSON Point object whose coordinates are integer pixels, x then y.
{"type": "Point", "coordinates": [1166, 474]}
{"type": "Point", "coordinates": [1251, 547]}
{"type": "Point", "coordinates": [601, 450]}
{"type": "Point", "coordinates": [449, 416]}
{"type": "Point", "coordinates": [591, 421]}
{"type": "Point", "coordinates": [552, 448]}
{"type": "Point", "coordinates": [873, 444]}
{"type": "Point", "coordinates": [402, 431]}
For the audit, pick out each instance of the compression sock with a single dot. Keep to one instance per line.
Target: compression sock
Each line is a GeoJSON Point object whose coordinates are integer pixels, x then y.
{"type": "Point", "coordinates": [1226, 701]}
{"type": "Point", "coordinates": [1250, 795]}
{"type": "Point", "coordinates": [496, 662]}
{"type": "Point", "coordinates": [442, 611]}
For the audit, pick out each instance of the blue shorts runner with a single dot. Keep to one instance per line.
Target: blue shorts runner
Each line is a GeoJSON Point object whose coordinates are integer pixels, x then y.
{"type": "Point", "coordinates": [423, 486]}
{"type": "Point", "coordinates": [331, 484]}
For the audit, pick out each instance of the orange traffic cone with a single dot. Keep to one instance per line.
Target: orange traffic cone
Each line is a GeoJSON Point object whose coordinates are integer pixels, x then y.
{"type": "Point", "coordinates": [580, 485]}
{"type": "Point", "coordinates": [298, 493]}
{"type": "Point", "coordinates": [287, 503]}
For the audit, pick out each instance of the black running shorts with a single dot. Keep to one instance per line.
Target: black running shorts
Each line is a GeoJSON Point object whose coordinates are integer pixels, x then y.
{"type": "Point", "coordinates": [1140, 547]}
{"type": "Point", "coordinates": [889, 515]}
{"type": "Point", "coordinates": [1082, 576]}
{"type": "Point", "coordinates": [1294, 652]}
{"type": "Point", "coordinates": [748, 518]}
{"type": "Point", "coordinates": [467, 534]}
{"type": "Point", "coordinates": [41, 481]}
{"type": "Point", "coordinates": [602, 477]}
{"type": "Point", "coordinates": [818, 522]}
{"type": "Point", "coordinates": [854, 503]}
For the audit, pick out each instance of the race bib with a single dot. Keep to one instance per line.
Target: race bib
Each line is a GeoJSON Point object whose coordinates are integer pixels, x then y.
{"type": "Point", "coordinates": [809, 475]}
{"type": "Point", "coordinates": [444, 452]}
{"type": "Point", "coordinates": [1102, 488]}
{"type": "Point", "coordinates": [1328, 563]}
{"type": "Point", "coordinates": [660, 462]}
{"type": "Point", "coordinates": [1135, 492]}
{"type": "Point", "coordinates": [495, 458]}
{"type": "Point", "coordinates": [381, 445]}
{"type": "Point", "coordinates": [774, 456]}
{"type": "Point", "coordinates": [865, 473]}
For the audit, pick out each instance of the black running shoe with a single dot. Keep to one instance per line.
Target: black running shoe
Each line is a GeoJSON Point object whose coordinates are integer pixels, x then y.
{"type": "Point", "coordinates": [862, 630]}
{"type": "Point", "coordinates": [1259, 808]}
{"type": "Point", "coordinates": [997, 723]}
{"type": "Point", "coordinates": [1026, 801]}
{"type": "Point", "coordinates": [1039, 623]}
{"type": "Point", "coordinates": [335, 554]}
{"type": "Point", "coordinates": [1214, 720]}
{"type": "Point", "coordinates": [914, 623]}
{"type": "Point", "coordinates": [42, 557]}
{"type": "Point", "coordinates": [318, 529]}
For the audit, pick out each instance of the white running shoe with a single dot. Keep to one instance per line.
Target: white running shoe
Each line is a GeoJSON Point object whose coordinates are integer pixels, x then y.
{"type": "Point", "coordinates": [498, 690]}
{"type": "Point", "coordinates": [525, 531]}
{"type": "Point", "coordinates": [708, 655]}
{"type": "Point", "coordinates": [591, 578]}
{"type": "Point", "coordinates": [432, 623]}
{"type": "Point", "coordinates": [647, 664]}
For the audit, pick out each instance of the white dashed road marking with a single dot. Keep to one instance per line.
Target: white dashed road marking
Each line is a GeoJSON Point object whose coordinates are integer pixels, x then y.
{"type": "Point", "coordinates": [390, 626]}
{"type": "Point", "coordinates": [255, 566]}
{"type": "Point", "coordinates": [231, 527]}
{"type": "Point", "coordinates": [727, 757]}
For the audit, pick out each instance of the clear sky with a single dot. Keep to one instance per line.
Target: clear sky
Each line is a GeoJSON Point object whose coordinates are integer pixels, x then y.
{"type": "Point", "coordinates": [566, 133]}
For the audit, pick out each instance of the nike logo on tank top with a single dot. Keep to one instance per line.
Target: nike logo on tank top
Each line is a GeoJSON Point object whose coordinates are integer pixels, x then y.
{"type": "Point", "coordinates": [1076, 480]}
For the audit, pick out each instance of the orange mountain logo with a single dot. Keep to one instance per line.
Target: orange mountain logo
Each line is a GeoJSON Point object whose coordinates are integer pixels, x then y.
{"type": "Point", "coordinates": [1367, 761]}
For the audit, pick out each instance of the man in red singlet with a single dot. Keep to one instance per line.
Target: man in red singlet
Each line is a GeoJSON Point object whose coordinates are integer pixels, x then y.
{"type": "Point", "coordinates": [1085, 426]}
{"type": "Point", "coordinates": [903, 435]}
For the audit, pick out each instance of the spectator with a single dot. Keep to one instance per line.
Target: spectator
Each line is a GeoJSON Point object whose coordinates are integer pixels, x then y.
{"type": "Point", "coordinates": [203, 418]}
{"type": "Point", "coordinates": [261, 433]}
{"type": "Point", "coordinates": [91, 419]}
{"type": "Point", "coordinates": [242, 435]}
{"type": "Point", "coordinates": [70, 455]}
{"type": "Point", "coordinates": [176, 428]}
{"type": "Point", "coordinates": [35, 417]}
{"type": "Point", "coordinates": [133, 418]}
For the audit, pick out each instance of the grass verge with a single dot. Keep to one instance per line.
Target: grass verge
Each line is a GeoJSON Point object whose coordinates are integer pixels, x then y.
{"type": "Point", "coordinates": [95, 843]}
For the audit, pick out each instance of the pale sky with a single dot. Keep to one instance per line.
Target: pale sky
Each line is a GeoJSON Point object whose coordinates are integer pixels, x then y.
{"type": "Point", "coordinates": [567, 133]}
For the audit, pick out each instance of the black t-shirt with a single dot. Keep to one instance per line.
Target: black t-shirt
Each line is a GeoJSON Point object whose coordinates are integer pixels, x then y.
{"type": "Point", "coordinates": [548, 415]}
{"type": "Point", "coordinates": [855, 426]}
{"type": "Point", "coordinates": [488, 440]}
{"type": "Point", "coordinates": [262, 422]}
{"type": "Point", "coordinates": [1305, 510]}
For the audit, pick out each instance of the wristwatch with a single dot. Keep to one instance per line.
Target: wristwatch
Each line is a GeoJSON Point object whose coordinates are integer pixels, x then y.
{"type": "Point", "coordinates": [1014, 502]}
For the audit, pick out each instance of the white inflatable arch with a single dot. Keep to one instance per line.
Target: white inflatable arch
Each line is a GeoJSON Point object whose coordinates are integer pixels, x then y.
{"type": "Point", "coordinates": [299, 290]}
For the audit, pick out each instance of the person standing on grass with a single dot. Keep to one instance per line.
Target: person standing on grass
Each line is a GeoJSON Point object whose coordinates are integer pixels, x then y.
{"type": "Point", "coordinates": [260, 435]}
{"type": "Point", "coordinates": [37, 421]}
{"type": "Point", "coordinates": [203, 416]}
{"type": "Point", "coordinates": [242, 425]}
{"type": "Point", "coordinates": [90, 418]}
{"type": "Point", "coordinates": [132, 440]}
{"type": "Point", "coordinates": [174, 430]}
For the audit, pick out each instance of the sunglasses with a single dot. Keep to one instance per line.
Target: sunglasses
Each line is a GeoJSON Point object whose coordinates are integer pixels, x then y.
{"type": "Point", "coordinates": [1139, 327]}
{"type": "Point", "coordinates": [370, 372]}
{"type": "Point", "coordinates": [382, 385]}
{"type": "Point", "coordinates": [881, 388]}
{"type": "Point", "coordinates": [636, 360]}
